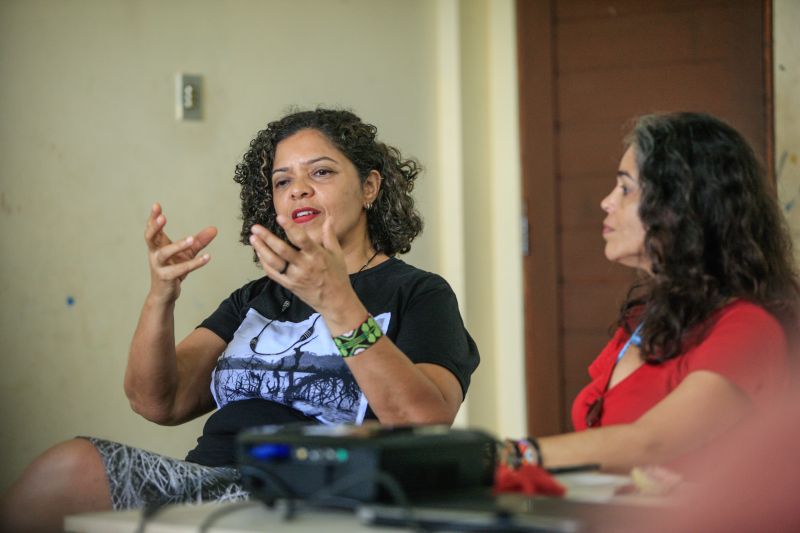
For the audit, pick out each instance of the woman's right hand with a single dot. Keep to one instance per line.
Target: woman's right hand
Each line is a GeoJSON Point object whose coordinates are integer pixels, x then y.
{"type": "Point", "coordinates": [171, 262]}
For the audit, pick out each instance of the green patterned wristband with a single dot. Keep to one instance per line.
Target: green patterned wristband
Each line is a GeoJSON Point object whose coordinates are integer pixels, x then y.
{"type": "Point", "coordinates": [354, 342]}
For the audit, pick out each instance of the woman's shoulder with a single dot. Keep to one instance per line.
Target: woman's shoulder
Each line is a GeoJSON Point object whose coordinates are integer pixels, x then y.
{"type": "Point", "coordinates": [396, 281]}
{"type": "Point", "coordinates": [743, 315]}
{"type": "Point", "coordinates": [743, 326]}
{"type": "Point", "coordinates": [745, 344]}
{"type": "Point", "coordinates": [397, 271]}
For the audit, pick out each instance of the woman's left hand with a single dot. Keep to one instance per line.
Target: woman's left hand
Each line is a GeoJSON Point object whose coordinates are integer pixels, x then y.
{"type": "Point", "coordinates": [315, 272]}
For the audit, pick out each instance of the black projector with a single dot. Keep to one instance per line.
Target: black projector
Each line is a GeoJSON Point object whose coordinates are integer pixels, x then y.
{"type": "Point", "coordinates": [368, 463]}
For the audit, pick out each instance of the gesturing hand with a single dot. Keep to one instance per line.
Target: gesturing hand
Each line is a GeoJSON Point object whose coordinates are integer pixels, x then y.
{"type": "Point", "coordinates": [315, 272]}
{"type": "Point", "coordinates": [171, 262]}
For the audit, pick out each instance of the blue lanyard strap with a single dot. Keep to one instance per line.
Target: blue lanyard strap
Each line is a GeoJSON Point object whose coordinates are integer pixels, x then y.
{"type": "Point", "coordinates": [635, 339]}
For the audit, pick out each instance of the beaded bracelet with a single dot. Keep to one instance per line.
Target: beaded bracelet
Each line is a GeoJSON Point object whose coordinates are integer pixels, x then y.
{"type": "Point", "coordinates": [530, 451]}
{"type": "Point", "coordinates": [514, 453]}
{"type": "Point", "coordinates": [359, 339]}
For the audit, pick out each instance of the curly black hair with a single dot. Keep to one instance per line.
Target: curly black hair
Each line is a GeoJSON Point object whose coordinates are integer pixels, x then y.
{"type": "Point", "coordinates": [392, 221]}
{"type": "Point", "coordinates": [714, 232]}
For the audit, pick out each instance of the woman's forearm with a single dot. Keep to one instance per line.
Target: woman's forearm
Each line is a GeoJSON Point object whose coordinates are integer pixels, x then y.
{"type": "Point", "coordinates": [151, 376]}
{"type": "Point", "coordinates": [157, 385]}
{"type": "Point", "coordinates": [702, 407]}
{"type": "Point", "coordinates": [615, 448]}
{"type": "Point", "coordinates": [401, 392]}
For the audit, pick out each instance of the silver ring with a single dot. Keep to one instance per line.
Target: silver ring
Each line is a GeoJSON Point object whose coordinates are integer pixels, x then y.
{"type": "Point", "coordinates": [285, 268]}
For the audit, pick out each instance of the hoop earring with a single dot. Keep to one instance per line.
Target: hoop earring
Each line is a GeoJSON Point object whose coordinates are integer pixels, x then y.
{"type": "Point", "coordinates": [367, 206]}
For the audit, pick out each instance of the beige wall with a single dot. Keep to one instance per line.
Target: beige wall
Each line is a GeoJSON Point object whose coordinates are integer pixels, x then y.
{"type": "Point", "coordinates": [787, 111]}
{"type": "Point", "coordinates": [88, 141]}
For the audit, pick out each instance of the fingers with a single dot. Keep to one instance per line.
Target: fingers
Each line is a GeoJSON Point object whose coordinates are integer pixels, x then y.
{"type": "Point", "coordinates": [180, 270]}
{"type": "Point", "coordinates": [297, 235]}
{"type": "Point", "coordinates": [315, 271]}
{"type": "Point", "coordinates": [162, 256]}
{"type": "Point", "coordinates": [171, 262]}
{"type": "Point", "coordinates": [274, 254]}
{"type": "Point", "coordinates": [164, 265]}
{"type": "Point", "coordinates": [153, 234]}
{"type": "Point", "coordinates": [271, 262]}
{"type": "Point", "coordinates": [329, 239]}
{"type": "Point", "coordinates": [155, 237]}
{"type": "Point", "coordinates": [203, 238]}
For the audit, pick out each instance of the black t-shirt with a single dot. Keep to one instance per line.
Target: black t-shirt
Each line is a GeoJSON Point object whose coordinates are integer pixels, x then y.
{"type": "Point", "coordinates": [281, 365]}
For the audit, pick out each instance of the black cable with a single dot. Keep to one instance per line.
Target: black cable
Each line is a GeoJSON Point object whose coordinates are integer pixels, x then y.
{"type": "Point", "coordinates": [254, 341]}
{"type": "Point", "coordinates": [399, 495]}
{"type": "Point", "coordinates": [221, 511]}
{"type": "Point", "coordinates": [268, 478]}
{"type": "Point", "coordinates": [151, 509]}
{"type": "Point", "coordinates": [148, 512]}
{"type": "Point", "coordinates": [330, 493]}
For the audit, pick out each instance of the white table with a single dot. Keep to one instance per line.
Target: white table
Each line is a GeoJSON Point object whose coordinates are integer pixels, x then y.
{"type": "Point", "coordinates": [188, 518]}
{"type": "Point", "coordinates": [583, 490]}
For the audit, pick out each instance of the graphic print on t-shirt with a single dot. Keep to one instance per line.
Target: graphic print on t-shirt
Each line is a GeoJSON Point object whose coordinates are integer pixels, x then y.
{"type": "Point", "coordinates": [292, 363]}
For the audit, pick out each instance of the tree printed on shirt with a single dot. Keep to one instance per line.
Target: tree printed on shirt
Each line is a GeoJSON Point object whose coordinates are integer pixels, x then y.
{"type": "Point", "coordinates": [317, 385]}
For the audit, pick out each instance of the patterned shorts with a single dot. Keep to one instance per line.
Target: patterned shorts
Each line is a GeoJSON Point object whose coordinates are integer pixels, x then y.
{"type": "Point", "coordinates": [138, 478]}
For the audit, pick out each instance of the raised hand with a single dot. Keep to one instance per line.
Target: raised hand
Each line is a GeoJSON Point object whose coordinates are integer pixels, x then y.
{"type": "Point", "coordinates": [171, 262]}
{"type": "Point", "coordinates": [315, 272]}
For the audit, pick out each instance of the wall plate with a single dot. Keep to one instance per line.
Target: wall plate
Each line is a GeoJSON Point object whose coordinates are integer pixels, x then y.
{"type": "Point", "coordinates": [188, 96]}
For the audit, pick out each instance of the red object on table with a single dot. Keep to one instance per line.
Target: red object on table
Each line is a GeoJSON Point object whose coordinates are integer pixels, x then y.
{"type": "Point", "coordinates": [527, 479]}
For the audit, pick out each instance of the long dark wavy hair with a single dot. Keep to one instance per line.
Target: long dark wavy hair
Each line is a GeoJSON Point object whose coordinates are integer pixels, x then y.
{"type": "Point", "coordinates": [714, 232]}
{"type": "Point", "coordinates": [392, 221]}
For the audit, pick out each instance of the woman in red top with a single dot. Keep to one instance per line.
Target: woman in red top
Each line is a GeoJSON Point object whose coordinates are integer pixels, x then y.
{"type": "Point", "coordinates": [703, 336]}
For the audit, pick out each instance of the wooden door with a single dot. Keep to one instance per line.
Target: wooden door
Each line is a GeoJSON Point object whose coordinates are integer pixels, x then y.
{"type": "Point", "coordinates": [586, 69]}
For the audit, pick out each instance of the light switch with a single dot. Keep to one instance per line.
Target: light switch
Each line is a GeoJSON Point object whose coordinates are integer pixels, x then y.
{"type": "Point", "coordinates": [188, 96]}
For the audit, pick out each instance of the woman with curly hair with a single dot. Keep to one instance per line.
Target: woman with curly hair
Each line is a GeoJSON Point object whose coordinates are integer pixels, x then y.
{"type": "Point", "coordinates": [703, 338]}
{"type": "Point", "coordinates": [339, 330]}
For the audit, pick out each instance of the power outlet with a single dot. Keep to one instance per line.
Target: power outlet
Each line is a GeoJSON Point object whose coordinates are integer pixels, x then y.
{"type": "Point", "coordinates": [188, 97]}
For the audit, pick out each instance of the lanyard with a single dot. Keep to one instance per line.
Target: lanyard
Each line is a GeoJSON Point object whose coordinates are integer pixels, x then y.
{"type": "Point", "coordinates": [595, 412]}
{"type": "Point", "coordinates": [635, 339]}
